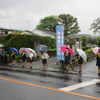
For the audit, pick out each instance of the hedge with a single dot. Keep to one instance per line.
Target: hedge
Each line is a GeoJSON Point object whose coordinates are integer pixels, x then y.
{"type": "Point", "coordinates": [86, 48]}
{"type": "Point", "coordinates": [51, 50]}
{"type": "Point", "coordinates": [89, 51]}
{"type": "Point", "coordinates": [17, 41]}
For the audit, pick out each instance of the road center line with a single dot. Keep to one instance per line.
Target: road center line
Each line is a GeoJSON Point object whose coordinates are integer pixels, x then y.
{"type": "Point", "coordinates": [96, 98]}
{"type": "Point", "coordinates": [77, 86]}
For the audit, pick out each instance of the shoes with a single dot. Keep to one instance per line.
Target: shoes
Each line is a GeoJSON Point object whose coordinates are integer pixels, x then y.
{"type": "Point", "coordinates": [43, 69]}
{"type": "Point", "coordinates": [98, 73]}
{"type": "Point", "coordinates": [30, 67]}
{"type": "Point", "coordinates": [98, 83]}
{"type": "Point", "coordinates": [79, 71]}
{"type": "Point", "coordinates": [68, 71]}
{"type": "Point", "coordinates": [13, 65]}
{"type": "Point", "coordinates": [22, 66]}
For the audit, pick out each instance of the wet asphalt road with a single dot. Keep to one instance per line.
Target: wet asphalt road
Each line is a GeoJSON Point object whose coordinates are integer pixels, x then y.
{"type": "Point", "coordinates": [28, 86]}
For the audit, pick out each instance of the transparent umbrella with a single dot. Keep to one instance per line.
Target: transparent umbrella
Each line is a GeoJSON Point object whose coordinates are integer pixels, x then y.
{"type": "Point", "coordinates": [42, 48]}
{"type": "Point", "coordinates": [1, 45]}
{"type": "Point", "coordinates": [34, 53]}
{"type": "Point", "coordinates": [26, 51]}
{"type": "Point", "coordinates": [95, 50]}
{"type": "Point", "coordinates": [82, 54]}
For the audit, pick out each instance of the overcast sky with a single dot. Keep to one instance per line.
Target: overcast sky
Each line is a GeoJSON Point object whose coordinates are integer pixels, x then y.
{"type": "Point", "coordinates": [15, 14]}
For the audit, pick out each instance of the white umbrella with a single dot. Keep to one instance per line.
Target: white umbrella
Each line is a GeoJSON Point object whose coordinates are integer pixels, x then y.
{"type": "Point", "coordinates": [26, 51]}
{"type": "Point", "coordinates": [95, 50]}
{"type": "Point", "coordinates": [34, 53]}
{"type": "Point", "coordinates": [1, 45]}
{"type": "Point", "coordinates": [82, 54]}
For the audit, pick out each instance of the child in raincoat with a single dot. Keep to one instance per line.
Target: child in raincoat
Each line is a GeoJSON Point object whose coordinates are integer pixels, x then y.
{"type": "Point", "coordinates": [67, 56]}
{"type": "Point", "coordinates": [13, 57]}
{"type": "Point", "coordinates": [45, 57]}
{"type": "Point", "coordinates": [98, 61]}
{"type": "Point", "coordinates": [23, 58]}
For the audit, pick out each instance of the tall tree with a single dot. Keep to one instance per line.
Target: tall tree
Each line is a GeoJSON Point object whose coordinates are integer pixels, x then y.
{"type": "Point", "coordinates": [84, 41]}
{"type": "Point", "coordinates": [48, 23]}
{"type": "Point", "coordinates": [70, 24]}
{"type": "Point", "coordinates": [92, 40]}
{"type": "Point", "coordinates": [96, 26]}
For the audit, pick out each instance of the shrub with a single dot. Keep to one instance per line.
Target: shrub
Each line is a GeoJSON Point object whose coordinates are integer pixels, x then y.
{"type": "Point", "coordinates": [5, 52]}
{"type": "Point", "coordinates": [89, 51]}
{"type": "Point", "coordinates": [51, 50]}
{"type": "Point", "coordinates": [18, 57]}
{"type": "Point", "coordinates": [86, 48]}
{"type": "Point", "coordinates": [17, 41]}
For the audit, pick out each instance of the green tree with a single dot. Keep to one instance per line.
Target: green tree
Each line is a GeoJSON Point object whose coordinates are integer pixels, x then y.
{"type": "Point", "coordinates": [84, 41]}
{"type": "Point", "coordinates": [48, 23]}
{"type": "Point", "coordinates": [98, 41]}
{"type": "Point", "coordinates": [96, 26]}
{"type": "Point", "coordinates": [70, 24]}
{"type": "Point", "coordinates": [92, 40]}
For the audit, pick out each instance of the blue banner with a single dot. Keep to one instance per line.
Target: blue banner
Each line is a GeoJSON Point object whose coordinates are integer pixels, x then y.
{"type": "Point", "coordinates": [59, 41]}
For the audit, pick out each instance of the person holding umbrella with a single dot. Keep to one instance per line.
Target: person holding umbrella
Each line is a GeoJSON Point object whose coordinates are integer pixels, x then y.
{"type": "Point", "coordinates": [67, 56]}
{"type": "Point", "coordinates": [45, 56]}
{"type": "Point", "coordinates": [98, 61]}
{"type": "Point", "coordinates": [2, 54]}
{"type": "Point", "coordinates": [14, 53]}
{"type": "Point", "coordinates": [80, 57]}
{"type": "Point", "coordinates": [13, 57]}
{"type": "Point", "coordinates": [23, 58]}
{"type": "Point", "coordinates": [31, 59]}
{"type": "Point", "coordinates": [80, 62]}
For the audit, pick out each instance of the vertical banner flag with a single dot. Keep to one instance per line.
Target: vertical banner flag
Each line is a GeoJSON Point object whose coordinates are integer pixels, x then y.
{"type": "Point", "coordinates": [59, 41]}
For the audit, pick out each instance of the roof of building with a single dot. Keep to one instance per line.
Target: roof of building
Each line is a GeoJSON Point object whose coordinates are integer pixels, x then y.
{"type": "Point", "coordinates": [48, 32]}
{"type": "Point", "coordinates": [2, 28]}
{"type": "Point", "coordinates": [16, 30]}
{"type": "Point", "coordinates": [28, 32]}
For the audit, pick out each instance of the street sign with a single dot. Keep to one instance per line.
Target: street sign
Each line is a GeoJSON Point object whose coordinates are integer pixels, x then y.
{"type": "Point", "coordinates": [59, 41]}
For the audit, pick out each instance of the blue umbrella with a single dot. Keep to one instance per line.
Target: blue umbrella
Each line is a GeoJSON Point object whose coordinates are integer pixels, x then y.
{"type": "Point", "coordinates": [16, 52]}
{"type": "Point", "coordinates": [42, 48]}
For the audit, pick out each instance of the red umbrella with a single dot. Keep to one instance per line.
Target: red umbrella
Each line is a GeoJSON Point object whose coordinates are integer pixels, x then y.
{"type": "Point", "coordinates": [63, 49]}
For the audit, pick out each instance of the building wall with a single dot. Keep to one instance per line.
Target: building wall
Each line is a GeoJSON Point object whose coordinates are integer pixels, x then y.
{"type": "Point", "coordinates": [13, 32]}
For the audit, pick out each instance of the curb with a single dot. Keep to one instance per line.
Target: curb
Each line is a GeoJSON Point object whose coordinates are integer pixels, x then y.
{"type": "Point", "coordinates": [48, 73]}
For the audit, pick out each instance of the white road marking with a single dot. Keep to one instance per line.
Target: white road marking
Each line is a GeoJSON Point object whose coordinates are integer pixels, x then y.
{"type": "Point", "coordinates": [77, 86]}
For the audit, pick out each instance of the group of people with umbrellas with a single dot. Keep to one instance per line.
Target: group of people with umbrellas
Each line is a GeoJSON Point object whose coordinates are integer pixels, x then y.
{"type": "Point", "coordinates": [30, 53]}
{"type": "Point", "coordinates": [80, 57]}
{"type": "Point", "coordinates": [68, 53]}
{"type": "Point", "coordinates": [96, 50]}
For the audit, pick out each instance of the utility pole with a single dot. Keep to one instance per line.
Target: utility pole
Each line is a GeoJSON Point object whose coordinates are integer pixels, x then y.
{"type": "Point", "coordinates": [27, 24]}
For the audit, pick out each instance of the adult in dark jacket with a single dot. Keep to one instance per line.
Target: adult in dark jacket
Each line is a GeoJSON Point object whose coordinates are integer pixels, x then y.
{"type": "Point", "coordinates": [67, 56]}
{"type": "Point", "coordinates": [80, 62]}
{"type": "Point", "coordinates": [23, 58]}
{"type": "Point", "coordinates": [2, 54]}
{"type": "Point", "coordinates": [98, 61]}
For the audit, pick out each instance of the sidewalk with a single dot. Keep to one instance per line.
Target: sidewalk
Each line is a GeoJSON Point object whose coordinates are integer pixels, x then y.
{"type": "Point", "coordinates": [37, 65]}
{"type": "Point", "coordinates": [88, 70]}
